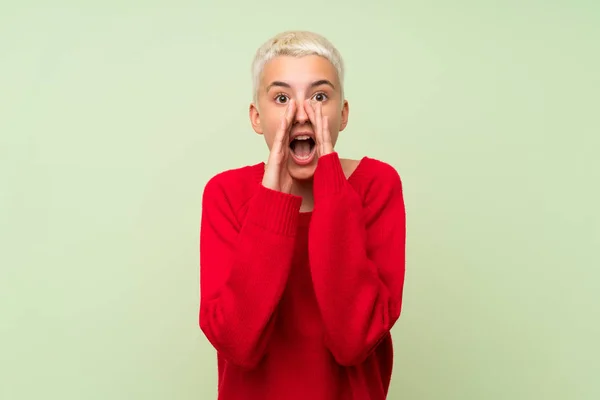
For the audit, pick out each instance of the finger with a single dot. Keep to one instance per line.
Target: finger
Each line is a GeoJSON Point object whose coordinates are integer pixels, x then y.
{"type": "Point", "coordinates": [289, 117]}
{"type": "Point", "coordinates": [286, 122]}
{"type": "Point", "coordinates": [319, 118]}
{"type": "Point", "coordinates": [326, 133]}
{"type": "Point", "coordinates": [310, 111]}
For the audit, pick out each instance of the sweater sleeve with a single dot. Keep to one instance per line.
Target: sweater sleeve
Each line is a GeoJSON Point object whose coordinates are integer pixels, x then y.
{"type": "Point", "coordinates": [244, 267]}
{"type": "Point", "coordinates": [357, 258]}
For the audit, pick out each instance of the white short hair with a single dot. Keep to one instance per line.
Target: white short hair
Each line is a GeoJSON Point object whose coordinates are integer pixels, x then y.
{"type": "Point", "coordinates": [296, 44]}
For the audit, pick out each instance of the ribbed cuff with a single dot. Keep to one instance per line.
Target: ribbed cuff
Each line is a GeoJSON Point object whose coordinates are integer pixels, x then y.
{"type": "Point", "coordinates": [329, 176]}
{"type": "Point", "coordinates": [275, 211]}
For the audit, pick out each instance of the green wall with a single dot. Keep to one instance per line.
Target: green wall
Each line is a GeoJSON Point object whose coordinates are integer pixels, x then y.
{"type": "Point", "coordinates": [113, 115]}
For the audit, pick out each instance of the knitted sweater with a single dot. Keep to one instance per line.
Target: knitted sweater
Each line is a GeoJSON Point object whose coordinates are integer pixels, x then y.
{"type": "Point", "coordinates": [299, 305]}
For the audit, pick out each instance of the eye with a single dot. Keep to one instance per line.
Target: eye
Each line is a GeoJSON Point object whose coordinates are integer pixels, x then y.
{"type": "Point", "coordinates": [281, 98]}
{"type": "Point", "coordinates": [320, 96]}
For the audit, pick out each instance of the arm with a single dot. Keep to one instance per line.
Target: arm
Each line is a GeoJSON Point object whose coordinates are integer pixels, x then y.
{"type": "Point", "coordinates": [357, 257]}
{"type": "Point", "coordinates": [244, 268]}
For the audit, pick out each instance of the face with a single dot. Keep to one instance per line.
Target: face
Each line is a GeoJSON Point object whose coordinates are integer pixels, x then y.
{"type": "Point", "coordinates": [311, 78]}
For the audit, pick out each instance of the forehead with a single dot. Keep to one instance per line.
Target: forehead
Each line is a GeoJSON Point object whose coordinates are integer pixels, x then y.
{"type": "Point", "coordinates": [299, 71]}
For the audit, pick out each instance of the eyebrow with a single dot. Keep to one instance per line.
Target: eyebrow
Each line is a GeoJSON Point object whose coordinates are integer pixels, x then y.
{"type": "Point", "coordinates": [312, 85]}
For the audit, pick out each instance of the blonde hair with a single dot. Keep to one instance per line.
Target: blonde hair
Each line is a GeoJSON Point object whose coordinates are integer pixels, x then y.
{"type": "Point", "coordinates": [296, 44]}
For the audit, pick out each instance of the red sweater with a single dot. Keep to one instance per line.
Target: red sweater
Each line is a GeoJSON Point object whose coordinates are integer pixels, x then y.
{"type": "Point", "coordinates": [300, 305]}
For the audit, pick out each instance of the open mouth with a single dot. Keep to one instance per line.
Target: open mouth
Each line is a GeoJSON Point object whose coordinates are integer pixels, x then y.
{"type": "Point", "coordinates": [302, 147]}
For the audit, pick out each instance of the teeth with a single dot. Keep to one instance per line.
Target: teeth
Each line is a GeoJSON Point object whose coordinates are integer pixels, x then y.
{"type": "Point", "coordinates": [302, 137]}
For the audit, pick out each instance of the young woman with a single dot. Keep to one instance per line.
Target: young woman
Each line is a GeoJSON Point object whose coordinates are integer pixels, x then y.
{"type": "Point", "coordinates": [303, 258]}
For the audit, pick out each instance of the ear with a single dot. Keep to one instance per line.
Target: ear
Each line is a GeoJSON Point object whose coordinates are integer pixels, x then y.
{"type": "Point", "coordinates": [255, 118]}
{"type": "Point", "coordinates": [345, 112]}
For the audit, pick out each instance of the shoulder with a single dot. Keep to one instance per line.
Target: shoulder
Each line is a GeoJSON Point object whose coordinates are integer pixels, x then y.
{"type": "Point", "coordinates": [235, 186]}
{"type": "Point", "coordinates": [369, 170]}
{"type": "Point", "coordinates": [374, 179]}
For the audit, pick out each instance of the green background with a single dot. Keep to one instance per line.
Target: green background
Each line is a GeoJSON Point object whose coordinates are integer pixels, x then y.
{"type": "Point", "coordinates": [113, 115]}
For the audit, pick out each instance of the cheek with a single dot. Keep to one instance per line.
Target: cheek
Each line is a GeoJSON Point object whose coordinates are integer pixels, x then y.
{"type": "Point", "coordinates": [271, 119]}
{"type": "Point", "coordinates": [335, 119]}
{"type": "Point", "coordinates": [270, 127]}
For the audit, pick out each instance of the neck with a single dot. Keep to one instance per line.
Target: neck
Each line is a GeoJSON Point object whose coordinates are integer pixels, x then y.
{"type": "Point", "coordinates": [304, 189]}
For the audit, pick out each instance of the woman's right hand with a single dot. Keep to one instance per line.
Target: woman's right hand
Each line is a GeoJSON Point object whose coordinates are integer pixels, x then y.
{"type": "Point", "coordinates": [276, 176]}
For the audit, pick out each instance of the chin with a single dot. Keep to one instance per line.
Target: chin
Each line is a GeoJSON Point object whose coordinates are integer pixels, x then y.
{"type": "Point", "coordinates": [302, 172]}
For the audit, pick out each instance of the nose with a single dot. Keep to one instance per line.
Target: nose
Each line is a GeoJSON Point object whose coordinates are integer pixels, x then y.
{"type": "Point", "coordinates": [301, 115]}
